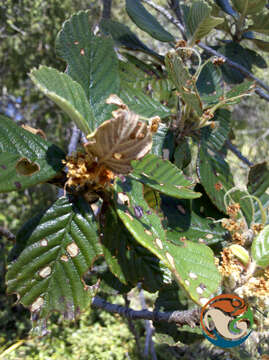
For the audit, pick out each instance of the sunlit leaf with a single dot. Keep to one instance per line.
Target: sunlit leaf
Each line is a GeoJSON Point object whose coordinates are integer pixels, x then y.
{"type": "Point", "coordinates": [260, 248]}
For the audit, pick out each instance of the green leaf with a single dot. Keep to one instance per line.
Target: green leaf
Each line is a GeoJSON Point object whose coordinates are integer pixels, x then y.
{"type": "Point", "coordinates": [163, 176]}
{"type": "Point", "coordinates": [171, 298]}
{"type": "Point", "coordinates": [142, 104]}
{"type": "Point", "coordinates": [249, 7]}
{"type": "Point", "coordinates": [191, 264]}
{"type": "Point", "coordinates": [92, 62]}
{"type": "Point", "coordinates": [260, 23]}
{"type": "Point", "coordinates": [145, 21]}
{"type": "Point", "coordinates": [66, 93]}
{"type": "Point", "coordinates": [258, 179]}
{"type": "Point", "coordinates": [47, 275]}
{"type": "Point", "coordinates": [261, 44]}
{"type": "Point", "coordinates": [123, 36]}
{"type": "Point", "coordinates": [127, 260]}
{"type": "Point", "coordinates": [163, 142]}
{"type": "Point", "coordinates": [199, 21]}
{"type": "Point", "coordinates": [260, 248]}
{"type": "Point", "coordinates": [245, 88]}
{"type": "Point", "coordinates": [183, 81]}
{"type": "Point", "coordinates": [25, 159]}
{"type": "Point", "coordinates": [217, 137]}
{"type": "Point", "coordinates": [182, 222]}
{"type": "Point", "coordinates": [210, 85]}
{"type": "Point", "coordinates": [216, 178]}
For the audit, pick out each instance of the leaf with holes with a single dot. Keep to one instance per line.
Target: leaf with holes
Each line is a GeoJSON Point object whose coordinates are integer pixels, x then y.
{"type": "Point", "coordinates": [215, 176]}
{"type": "Point", "coordinates": [210, 85]}
{"type": "Point", "coordinates": [260, 248]}
{"type": "Point", "coordinates": [25, 159]}
{"type": "Point", "coordinates": [145, 21]}
{"type": "Point", "coordinates": [127, 260]}
{"type": "Point", "coordinates": [182, 222]}
{"type": "Point", "coordinates": [199, 21]}
{"type": "Point", "coordinates": [191, 264]}
{"type": "Point", "coordinates": [120, 140]}
{"type": "Point", "coordinates": [163, 176]}
{"type": "Point", "coordinates": [185, 84]}
{"type": "Point", "coordinates": [60, 248]}
{"type": "Point", "coordinates": [92, 62]}
{"type": "Point", "coordinates": [66, 93]}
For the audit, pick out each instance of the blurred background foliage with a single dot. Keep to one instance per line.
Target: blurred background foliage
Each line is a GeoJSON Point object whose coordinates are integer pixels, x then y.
{"type": "Point", "coordinates": [27, 35]}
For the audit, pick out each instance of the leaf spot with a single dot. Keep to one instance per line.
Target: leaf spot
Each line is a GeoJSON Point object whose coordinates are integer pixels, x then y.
{"type": "Point", "coordinates": [148, 232]}
{"type": "Point", "coordinates": [82, 52]}
{"type": "Point", "coordinates": [76, 42]}
{"type": "Point", "coordinates": [187, 282]}
{"type": "Point", "coordinates": [44, 242]}
{"type": "Point", "coordinates": [170, 259]}
{"type": "Point", "coordinates": [161, 184]}
{"type": "Point", "coordinates": [45, 272]}
{"type": "Point", "coordinates": [17, 184]}
{"type": "Point", "coordinates": [3, 167]}
{"type": "Point", "coordinates": [37, 304]}
{"type": "Point", "coordinates": [72, 249]}
{"type": "Point", "coordinates": [64, 258]}
{"type": "Point", "coordinates": [199, 290]}
{"type": "Point", "coordinates": [201, 240]}
{"type": "Point", "coordinates": [159, 243]}
{"type": "Point", "coordinates": [123, 199]}
{"type": "Point", "coordinates": [192, 275]}
{"type": "Point", "coordinates": [138, 211]}
{"type": "Point", "coordinates": [129, 215]}
{"type": "Point", "coordinates": [209, 236]}
{"type": "Point", "coordinates": [181, 209]}
{"type": "Point", "coordinates": [117, 156]}
{"type": "Point", "coordinates": [203, 301]}
{"type": "Point", "coordinates": [218, 186]}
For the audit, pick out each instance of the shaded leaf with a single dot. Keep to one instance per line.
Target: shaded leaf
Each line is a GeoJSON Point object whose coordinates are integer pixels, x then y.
{"type": "Point", "coordinates": [92, 62]}
{"type": "Point", "coordinates": [199, 21]}
{"type": "Point", "coordinates": [260, 248]}
{"type": "Point", "coordinates": [120, 140]}
{"type": "Point", "coordinates": [182, 155]}
{"type": "Point", "coordinates": [163, 176]}
{"type": "Point", "coordinates": [25, 159]}
{"type": "Point", "coordinates": [127, 260]}
{"type": "Point", "coordinates": [163, 142]}
{"type": "Point", "coordinates": [226, 6]}
{"type": "Point", "coordinates": [145, 21]}
{"type": "Point", "coordinates": [47, 275]}
{"type": "Point", "coordinates": [123, 36]}
{"type": "Point", "coordinates": [260, 23]}
{"type": "Point", "coordinates": [185, 84]}
{"type": "Point", "coordinates": [249, 7]}
{"type": "Point", "coordinates": [217, 137]}
{"type": "Point", "coordinates": [261, 44]}
{"type": "Point", "coordinates": [66, 93]}
{"type": "Point", "coordinates": [191, 264]}
{"type": "Point", "coordinates": [258, 179]}
{"type": "Point", "coordinates": [210, 85]}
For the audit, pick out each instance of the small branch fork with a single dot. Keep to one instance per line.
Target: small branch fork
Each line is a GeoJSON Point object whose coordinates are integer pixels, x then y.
{"type": "Point", "coordinates": [189, 317]}
{"type": "Point", "coordinates": [178, 23]}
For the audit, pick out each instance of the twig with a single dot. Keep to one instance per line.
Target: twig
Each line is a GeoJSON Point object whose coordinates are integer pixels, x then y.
{"type": "Point", "coordinates": [76, 134]}
{"type": "Point", "coordinates": [132, 327]}
{"type": "Point", "coordinates": [6, 233]}
{"type": "Point", "coordinates": [234, 149]}
{"type": "Point", "coordinates": [166, 13]}
{"type": "Point", "coordinates": [189, 317]}
{"type": "Point", "coordinates": [106, 9]}
{"type": "Point", "coordinates": [209, 50]}
{"type": "Point", "coordinates": [149, 343]}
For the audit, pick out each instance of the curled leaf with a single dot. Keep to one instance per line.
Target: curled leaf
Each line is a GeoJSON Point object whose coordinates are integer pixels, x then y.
{"type": "Point", "coordinates": [121, 139]}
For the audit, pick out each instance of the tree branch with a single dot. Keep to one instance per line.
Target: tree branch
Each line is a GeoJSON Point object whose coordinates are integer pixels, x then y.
{"type": "Point", "coordinates": [6, 233]}
{"type": "Point", "coordinates": [240, 156]}
{"type": "Point", "coordinates": [189, 317]}
{"type": "Point", "coordinates": [106, 9]}
{"type": "Point", "coordinates": [208, 49]}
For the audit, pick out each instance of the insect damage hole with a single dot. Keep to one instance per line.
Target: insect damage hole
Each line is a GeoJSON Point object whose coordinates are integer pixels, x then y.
{"type": "Point", "coordinates": [72, 249]}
